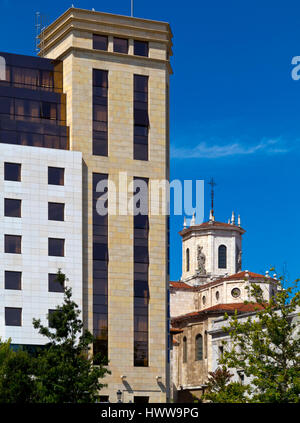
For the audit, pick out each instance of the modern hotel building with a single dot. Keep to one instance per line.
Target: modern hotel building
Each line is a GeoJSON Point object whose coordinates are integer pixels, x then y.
{"type": "Point", "coordinates": [94, 105]}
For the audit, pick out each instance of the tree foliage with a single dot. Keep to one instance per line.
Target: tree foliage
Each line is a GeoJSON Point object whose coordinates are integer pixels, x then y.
{"type": "Point", "coordinates": [63, 371]}
{"type": "Point", "coordinates": [221, 389]}
{"type": "Point", "coordinates": [266, 347]}
{"type": "Point", "coordinates": [17, 384]}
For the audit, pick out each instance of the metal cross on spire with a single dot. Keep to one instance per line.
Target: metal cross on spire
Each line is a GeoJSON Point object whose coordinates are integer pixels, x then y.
{"type": "Point", "coordinates": [212, 184]}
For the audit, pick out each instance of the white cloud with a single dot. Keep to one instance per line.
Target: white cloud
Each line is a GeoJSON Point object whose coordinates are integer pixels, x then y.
{"type": "Point", "coordinates": [207, 150]}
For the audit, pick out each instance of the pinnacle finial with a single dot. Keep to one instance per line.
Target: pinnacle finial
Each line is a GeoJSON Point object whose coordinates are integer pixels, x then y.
{"type": "Point", "coordinates": [239, 220]}
{"type": "Point", "coordinates": [184, 222]}
{"type": "Point", "coordinates": [193, 220]}
{"type": "Point", "coordinates": [233, 218]}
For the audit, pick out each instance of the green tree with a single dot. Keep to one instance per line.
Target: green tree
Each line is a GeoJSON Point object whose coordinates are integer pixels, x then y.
{"type": "Point", "coordinates": [17, 383]}
{"type": "Point", "coordinates": [266, 347]}
{"type": "Point", "coordinates": [221, 389]}
{"type": "Point", "coordinates": [65, 371]}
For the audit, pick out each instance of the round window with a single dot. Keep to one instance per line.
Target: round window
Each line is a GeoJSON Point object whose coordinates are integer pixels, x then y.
{"type": "Point", "coordinates": [236, 292]}
{"type": "Point", "coordinates": [204, 299]}
{"type": "Point", "coordinates": [217, 295]}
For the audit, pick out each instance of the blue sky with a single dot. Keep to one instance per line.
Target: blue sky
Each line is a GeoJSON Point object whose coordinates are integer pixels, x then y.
{"type": "Point", "coordinates": [235, 110]}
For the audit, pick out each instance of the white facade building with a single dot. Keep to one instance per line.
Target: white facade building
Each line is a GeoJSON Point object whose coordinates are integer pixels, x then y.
{"type": "Point", "coordinates": [32, 260]}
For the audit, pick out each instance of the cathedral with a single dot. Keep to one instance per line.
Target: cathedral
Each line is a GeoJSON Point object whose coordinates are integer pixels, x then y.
{"type": "Point", "coordinates": [211, 284]}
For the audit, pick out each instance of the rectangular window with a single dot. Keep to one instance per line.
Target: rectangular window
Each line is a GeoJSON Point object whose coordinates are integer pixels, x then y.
{"type": "Point", "coordinates": [13, 316]}
{"type": "Point", "coordinates": [13, 280]}
{"type": "Point", "coordinates": [53, 284]}
{"type": "Point", "coordinates": [12, 244]}
{"type": "Point", "coordinates": [56, 175]}
{"type": "Point", "coordinates": [100, 112]}
{"type": "Point", "coordinates": [56, 211]}
{"type": "Point", "coordinates": [50, 317]}
{"type": "Point", "coordinates": [141, 118]}
{"type": "Point", "coordinates": [141, 284]}
{"type": "Point", "coordinates": [56, 247]}
{"type": "Point", "coordinates": [100, 273]}
{"type": "Point", "coordinates": [141, 48]}
{"type": "Point", "coordinates": [12, 172]}
{"type": "Point", "coordinates": [120, 45]}
{"type": "Point", "coordinates": [100, 42]}
{"type": "Point", "coordinates": [12, 207]}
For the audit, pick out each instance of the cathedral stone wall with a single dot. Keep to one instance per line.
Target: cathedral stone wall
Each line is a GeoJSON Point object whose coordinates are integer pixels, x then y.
{"type": "Point", "coordinates": [182, 302]}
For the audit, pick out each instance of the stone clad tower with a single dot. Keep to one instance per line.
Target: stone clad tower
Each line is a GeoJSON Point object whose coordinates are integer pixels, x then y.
{"type": "Point", "coordinates": [116, 79]}
{"type": "Point", "coordinates": [211, 250]}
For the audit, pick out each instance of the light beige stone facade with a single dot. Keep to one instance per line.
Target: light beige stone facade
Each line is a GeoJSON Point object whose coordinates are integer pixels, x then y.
{"type": "Point", "coordinates": [69, 39]}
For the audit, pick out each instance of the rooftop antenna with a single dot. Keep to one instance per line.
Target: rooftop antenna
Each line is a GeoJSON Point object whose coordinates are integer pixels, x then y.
{"type": "Point", "coordinates": [212, 184]}
{"type": "Point", "coordinates": [132, 8]}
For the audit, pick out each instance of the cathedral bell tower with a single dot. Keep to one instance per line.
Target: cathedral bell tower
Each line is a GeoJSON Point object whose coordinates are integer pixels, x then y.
{"type": "Point", "coordinates": [212, 249]}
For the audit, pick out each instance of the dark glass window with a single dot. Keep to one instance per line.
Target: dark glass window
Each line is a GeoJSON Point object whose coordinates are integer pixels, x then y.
{"type": "Point", "coordinates": [222, 257]}
{"type": "Point", "coordinates": [104, 398]}
{"type": "Point", "coordinates": [120, 45]}
{"type": "Point", "coordinates": [100, 42]}
{"type": "Point", "coordinates": [100, 273]}
{"type": "Point", "coordinates": [56, 211]}
{"type": "Point", "coordinates": [13, 280]}
{"type": "Point", "coordinates": [12, 244]}
{"type": "Point", "coordinates": [141, 48]}
{"type": "Point", "coordinates": [13, 316]}
{"type": "Point", "coordinates": [56, 247]}
{"type": "Point", "coordinates": [199, 347]}
{"type": "Point", "coordinates": [140, 400]}
{"type": "Point", "coordinates": [56, 176]}
{"type": "Point", "coordinates": [12, 172]}
{"type": "Point", "coordinates": [50, 317]}
{"type": "Point", "coordinates": [184, 350]}
{"type": "Point", "coordinates": [32, 105]}
{"type": "Point", "coordinates": [54, 285]}
{"type": "Point", "coordinates": [141, 117]}
{"type": "Point", "coordinates": [141, 286]}
{"type": "Point", "coordinates": [100, 112]}
{"type": "Point", "coordinates": [187, 257]}
{"type": "Point", "coordinates": [12, 207]}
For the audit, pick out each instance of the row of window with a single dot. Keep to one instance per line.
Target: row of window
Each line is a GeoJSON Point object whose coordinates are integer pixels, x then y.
{"type": "Point", "coordinates": [13, 280]}
{"type": "Point", "coordinates": [222, 258]}
{"type": "Point", "coordinates": [12, 172]}
{"type": "Point", "coordinates": [100, 115]}
{"type": "Point", "coordinates": [13, 245]}
{"type": "Point", "coordinates": [140, 48]}
{"type": "Point", "coordinates": [13, 316]}
{"type": "Point", "coordinates": [200, 347]}
{"type": "Point", "coordinates": [13, 208]}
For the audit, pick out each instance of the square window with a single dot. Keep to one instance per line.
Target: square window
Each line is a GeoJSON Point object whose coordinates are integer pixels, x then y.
{"type": "Point", "coordinates": [141, 48]}
{"type": "Point", "coordinates": [120, 45]}
{"type": "Point", "coordinates": [53, 284]}
{"type": "Point", "coordinates": [12, 244]}
{"type": "Point", "coordinates": [12, 172]}
{"type": "Point", "coordinates": [56, 247]}
{"type": "Point", "coordinates": [56, 211]}
{"type": "Point", "coordinates": [56, 176]}
{"type": "Point", "coordinates": [13, 280]}
{"type": "Point", "coordinates": [12, 207]}
{"type": "Point", "coordinates": [13, 316]}
{"type": "Point", "coordinates": [100, 42]}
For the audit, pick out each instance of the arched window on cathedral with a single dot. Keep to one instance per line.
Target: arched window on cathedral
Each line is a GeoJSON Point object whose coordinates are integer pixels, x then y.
{"type": "Point", "coordinates": [187, 259]}
{"type": "Point", "coordinates": [184, 350]}
{"type": "Point", "coordinates": [222, 257]}
{"type": "Point", "coordinates": [199, 347]}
